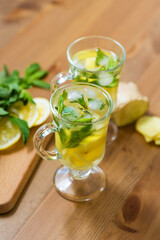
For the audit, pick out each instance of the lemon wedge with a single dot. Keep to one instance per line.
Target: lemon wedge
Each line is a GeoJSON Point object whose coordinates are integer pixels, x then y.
{"type": "Point", "coordinates": [43, 110]}
{"type": "Point", "coordinates": [9, 133]}
{"type": "Point", "coordinates": [28, 112]}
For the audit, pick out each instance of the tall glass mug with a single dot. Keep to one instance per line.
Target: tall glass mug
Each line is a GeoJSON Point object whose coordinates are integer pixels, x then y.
{"type": "Point", "coordinates": [97, 60]}
{"type": "Point", "coordinates": [81, 113]}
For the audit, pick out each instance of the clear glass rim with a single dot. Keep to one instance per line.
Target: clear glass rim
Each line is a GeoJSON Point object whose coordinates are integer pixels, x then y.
{"type": "Point", "coordinates": [100, 37]}
{"type": "Point", "coordinates": [106, 115]}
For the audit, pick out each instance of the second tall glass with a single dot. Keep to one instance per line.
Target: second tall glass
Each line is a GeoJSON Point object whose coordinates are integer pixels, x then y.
{"type": "Point", "coordinates": [97, 60]}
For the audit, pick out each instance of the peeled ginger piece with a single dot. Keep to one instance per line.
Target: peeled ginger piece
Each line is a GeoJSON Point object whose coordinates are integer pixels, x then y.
{"type": "Point", "coordinates": [149, 127]}
{"type": "Point", "coordinates": [130, 104]}
{"type": "Point", "coordinates": [157, 141]}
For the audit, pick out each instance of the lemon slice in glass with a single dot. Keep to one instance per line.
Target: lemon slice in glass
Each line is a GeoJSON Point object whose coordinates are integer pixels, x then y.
{"type": "Point", "coordinates": [9, 133]}
{"type": "Point", "coordinates": [43, 110]}
{"type": "Point", "coordinates": [28, 112]}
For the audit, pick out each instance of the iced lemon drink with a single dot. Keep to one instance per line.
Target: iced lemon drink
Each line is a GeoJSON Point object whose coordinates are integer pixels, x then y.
{"type": "Point", "coordinates": [99, 67]}
{"type": "Point", "coordinates": [82, 123]}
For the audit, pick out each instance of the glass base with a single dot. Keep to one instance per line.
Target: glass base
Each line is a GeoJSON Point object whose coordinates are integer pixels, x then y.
{"type": "Point", "coordinates": [112, 132]}
{"type": "Point", "coordinates": [79, 186]}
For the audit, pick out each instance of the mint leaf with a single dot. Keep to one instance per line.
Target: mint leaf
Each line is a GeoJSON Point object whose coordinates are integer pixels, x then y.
{"type": "Point", "coordinates": [102, 68]}
{"type": "Point", "coordinates": [39, 74]}
{"type": "Point", "coordinates": [32, 69]}
{"type": "Point", "coordinates": [4, 92]}
{"type": "Point", "coordinates": [77, 136]}
{"type": "Point", "coordinates": [3, 112]}
{"type": "Point", "coordinates": [84, 110]}
{"type": "Point", "coordinates": [69, 113]}
{"type": "Point", "coordinates": [15, 74]}
{"type": "Point", "coordinates": [25, 96]}
{"type": "Point", "coordinates": [13, 98]}
{"type": "Point", "coordinates": [63, 136]}
{"type": "Point", "coordinates": [64, 94]}
{"type": "Point", "coordinates": [84, 120]}
{"type": "Point", "coordinates": [101, 59]}
{"type": "Point", "coordinates": [81, 101]}
{"type": "Point", "coordinates": [60, 104]}
{"type": "Point", "coordinates": [112, 63]}
{"type": "Point", "coordinates": [23, 125]}
{"type": "Point", "coordinates": [40, 83]}
{"type": "Point", "coordinates": [4, 73]}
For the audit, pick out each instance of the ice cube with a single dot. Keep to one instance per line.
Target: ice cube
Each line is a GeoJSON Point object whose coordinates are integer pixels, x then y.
{"type": "Point", "coordinates": [95, 104]}
{"type": "Point", "coordinates": [105, 79]}
{"type": "Point", "coordinates": [90, 93]}
{"type": "Point", "coordinates": [74, 95]}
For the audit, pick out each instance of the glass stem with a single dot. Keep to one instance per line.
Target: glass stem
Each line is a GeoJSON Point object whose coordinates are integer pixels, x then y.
{"type": "Point", "coordinates": [79, 175]}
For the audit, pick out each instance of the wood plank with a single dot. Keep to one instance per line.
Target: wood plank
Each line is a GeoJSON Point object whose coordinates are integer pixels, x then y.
{"type": "Point", "coordinates": [139, 216]}
{"type": "Point", "coordinates": [127, 152]}
{"type": "Point", "coordinates": [15, 15]}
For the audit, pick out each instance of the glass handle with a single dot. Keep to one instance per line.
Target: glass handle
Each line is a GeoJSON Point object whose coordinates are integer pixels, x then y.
{"type": "Point", "coordinates": [60, 79]}
{"type": "Point", "coordinates": [38, 140]}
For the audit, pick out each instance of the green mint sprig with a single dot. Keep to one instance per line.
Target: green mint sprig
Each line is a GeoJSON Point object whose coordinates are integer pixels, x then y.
{"type": "Point", "coordinates": [72, 115]}
{"type": "Point", "coordinates": [75, 136]}
{"type": "Point", "coordinates": [13, 89]}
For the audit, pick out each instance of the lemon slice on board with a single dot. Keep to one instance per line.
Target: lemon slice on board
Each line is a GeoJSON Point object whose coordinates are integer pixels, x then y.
{"type": "Point", "coordinates": [9, 133]}
{"type": "Point", "coordinates": [28, 112]}
{"type": "Point", "coordinates": [43, 110]}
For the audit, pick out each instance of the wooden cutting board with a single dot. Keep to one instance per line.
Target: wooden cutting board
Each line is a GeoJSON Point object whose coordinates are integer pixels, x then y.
{"type": "Point", "coordinates": [16, 166]}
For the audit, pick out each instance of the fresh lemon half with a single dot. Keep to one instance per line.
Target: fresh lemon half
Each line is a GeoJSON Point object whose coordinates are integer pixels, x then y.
{"type": "Point", "coordinates": [43, 110]}
{"type": "Point", "coordinates": [28, 112]}
{"type": "Point", "coordinates": [9, 133]}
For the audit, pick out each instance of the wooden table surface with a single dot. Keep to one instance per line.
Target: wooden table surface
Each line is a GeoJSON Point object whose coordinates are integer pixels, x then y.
{"type": "Point", "coordinates": [129, 208]}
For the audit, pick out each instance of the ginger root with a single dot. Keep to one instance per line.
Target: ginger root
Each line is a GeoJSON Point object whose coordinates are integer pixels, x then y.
{"type": "Point", "coordinates": [130, 104]}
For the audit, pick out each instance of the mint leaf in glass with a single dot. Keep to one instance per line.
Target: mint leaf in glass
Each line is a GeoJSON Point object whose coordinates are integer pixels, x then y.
{"type": "Point", "coordinates": [82, 102]}
{"type": "Point", "coordinates": [60, 104]}
{"type": "Point", "coordinates": [69, 113]}
{"type": "Point", "coordinates": [63, 136]}
{"type": "Point", "coordinates": [84, 120]}
{"type": "Point", "coordinates": [77, 97]}
{"type": "Point", "coordinates": [111, 63]}
{"type": "Point", "coordinates": [64, 94]}
{"type": "Point", "coordinates": [101, 59]}
{"type": "Point", "coordinates": [77, 136]}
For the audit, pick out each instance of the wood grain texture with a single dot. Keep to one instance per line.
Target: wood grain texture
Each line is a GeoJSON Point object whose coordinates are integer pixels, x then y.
{"type": "Point", "coordinates": [16, 166]}
{"type": "Point", "coordinates": [129, 162]}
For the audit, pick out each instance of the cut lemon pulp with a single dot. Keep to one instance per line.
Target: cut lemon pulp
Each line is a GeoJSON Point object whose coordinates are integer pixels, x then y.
{"type": "Point", "coordinates": [9, 133]}
{"type": "Point", "coordinates": [43, 110]}
{"type": "Point", "coordinates": [28, 112]}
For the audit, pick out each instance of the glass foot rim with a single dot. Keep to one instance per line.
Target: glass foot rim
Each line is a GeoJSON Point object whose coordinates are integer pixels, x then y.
{"type": "Point", "coordinates": [85, 198]}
